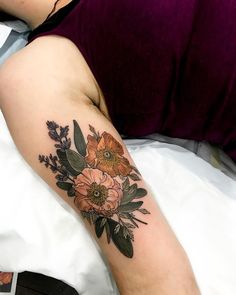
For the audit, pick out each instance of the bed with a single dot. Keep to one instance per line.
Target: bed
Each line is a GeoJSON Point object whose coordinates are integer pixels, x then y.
{"type": "Point", "coordinates": [194, 184]}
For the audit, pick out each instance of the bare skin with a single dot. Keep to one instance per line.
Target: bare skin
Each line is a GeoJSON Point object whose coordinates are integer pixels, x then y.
{"type": "Point", "coordinates": [58, 85]}
{"type": "Point", "coordinates": [33, 12]}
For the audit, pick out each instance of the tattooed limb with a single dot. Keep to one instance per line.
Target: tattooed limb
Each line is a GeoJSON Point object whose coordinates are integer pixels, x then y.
{"type": "Point", "coordinates": [77, 151]}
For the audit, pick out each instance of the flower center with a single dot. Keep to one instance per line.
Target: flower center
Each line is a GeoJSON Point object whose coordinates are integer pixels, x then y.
{"type": "Point", "coordinates": [107, 155]}
{"type": "Point", "coordinates": [97, 193]}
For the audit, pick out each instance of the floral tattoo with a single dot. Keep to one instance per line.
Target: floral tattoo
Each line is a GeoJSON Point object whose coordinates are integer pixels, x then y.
{"type": "Point", "coordinates": [101, 181]}
{"type": "Point", "coordinates": [5, 278]}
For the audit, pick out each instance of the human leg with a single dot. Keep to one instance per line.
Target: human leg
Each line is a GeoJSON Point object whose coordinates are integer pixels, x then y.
{"type": "Point", "coordinates": [36, 87]}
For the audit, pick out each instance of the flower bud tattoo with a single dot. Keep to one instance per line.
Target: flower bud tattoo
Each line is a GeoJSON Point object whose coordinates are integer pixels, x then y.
{"type": "Point", "coordinates": [101, 181]}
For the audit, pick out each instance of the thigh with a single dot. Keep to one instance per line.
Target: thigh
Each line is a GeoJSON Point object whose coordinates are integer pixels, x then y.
{"type": "Point", "coordinates": [46, 77]}
{"type": "Point", "coordinates": [53, 65]}
{"type": "Point", "coordinates": [46, 80]}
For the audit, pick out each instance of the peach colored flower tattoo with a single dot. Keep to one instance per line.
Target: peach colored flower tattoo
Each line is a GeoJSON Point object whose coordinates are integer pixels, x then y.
{"type": "Point", "coordinates": [101, 181]}
{"type": "Point", "coordinates": [5, 277]}
{"type": "Point", "coordinates": [97, 191]}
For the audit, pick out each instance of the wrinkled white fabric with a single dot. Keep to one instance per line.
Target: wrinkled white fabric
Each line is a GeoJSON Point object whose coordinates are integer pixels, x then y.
{"type": "Point", "coordinates": [13, 36]}
{"type": "Point", "coordinates": [40, 233]}
{"type": "Point", "coordinates": [5, 32]}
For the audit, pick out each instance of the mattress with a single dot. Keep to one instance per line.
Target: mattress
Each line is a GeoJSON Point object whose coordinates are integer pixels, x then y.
{"type": "Point", "coordinates": [194, 184]}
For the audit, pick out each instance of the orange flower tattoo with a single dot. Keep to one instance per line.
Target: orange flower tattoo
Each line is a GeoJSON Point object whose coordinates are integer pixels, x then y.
{"type": "Point", "coordinates": [106, 153]}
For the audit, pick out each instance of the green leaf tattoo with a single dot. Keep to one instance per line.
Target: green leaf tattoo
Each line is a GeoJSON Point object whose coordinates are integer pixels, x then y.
{"type": "Point", "coordinates": [101, 181]}
{"type": "Point", "coordinates": [130, 207]}
{"type": "Point", "coordinates": [65, 163]}
{"type": "Point", "coordinates": [79, 139]}
{"type": "Point", "coordinates": [75, 160]}
{"type": "Point", "coordinates": [99, 227]}
{"type": "Point", "coordinates": [121, 238]}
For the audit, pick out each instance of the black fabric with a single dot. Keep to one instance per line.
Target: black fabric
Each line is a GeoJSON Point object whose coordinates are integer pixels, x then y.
{"type": "Point", "coordinates": [6, 17]}
{"type": "Point", "coordinates": [29, 283]}
{"type": "Point", "coordinates": [53, 20]}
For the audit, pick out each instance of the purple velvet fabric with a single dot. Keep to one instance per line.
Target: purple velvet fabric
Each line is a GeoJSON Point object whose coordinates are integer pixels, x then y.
{"type": "Point", "coordinates": [166, 66]}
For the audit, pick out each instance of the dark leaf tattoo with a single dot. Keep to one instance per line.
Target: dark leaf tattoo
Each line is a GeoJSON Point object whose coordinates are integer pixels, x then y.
{"type": "Point", "coordinates": [130, 207]}
{"type": "Point", "coordinates": [134, 177]}
{"type": "Point", "coordinates": [99, 227]}
{"type": "Point", "coordinates": [79, 139]}
{"type": "Point", "coordinates": [64, 185]}
{"type": "Point", "coordinates": [76, 161]}
{"type": "Point", "coordinates": [101, 180]}
{"type": "Point", "coordinates": [121, 238]}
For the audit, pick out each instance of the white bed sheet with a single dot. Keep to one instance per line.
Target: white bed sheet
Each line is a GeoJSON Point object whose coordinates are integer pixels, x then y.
{"type": "Point", "coordinates": [13, 36]}
{"type": "Point", "coordinates": [5, 32]}
{"type": "Point", "coordinates": [40, 233]}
